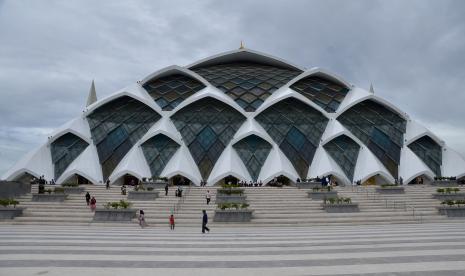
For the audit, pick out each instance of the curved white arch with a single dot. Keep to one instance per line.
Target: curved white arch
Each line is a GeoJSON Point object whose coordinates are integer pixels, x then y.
{"type": "Point", "coordinates": [209, 92]}
{"type": "Point", "coordinates": [134, 91]}
{"type": "Point", "coordinates": [172, 70]}
{"type": "Point", "coordinates": [183, 164]}
{"type": "Point", "coordinates": [16, 174]}
{"type": "Point", "coordinates": [251, 127]}
{"type": "Point", "coordinates": [77, 126]}
{"type": "Point", "coordinates": [411, 165]}
{"type": "Point", "coordinates": [244, 55]}
{"type": "Point", "coordinates": [342, 108]}
{"type": "Point", "coordinates": [277, 164]}
{"type": "Point", "coordinates": [453, 164]}
{"type": "Point", "coordinates": [322, 73]}
{"type": "Point", "coordinates": [322, 165]}
{"type": "Point", "coordinates": [415, 131]}
{"type": "Point", "coordinates": [86, 164]}
{"type": "Point", "coordinates": [286, 93]}
{"type": "Point", "coordinates": [426, 173]}
{"type": "Point", "coordinates": [368, 165]}
{"type": "Point", "coordinates": [383, 174]}
{"type": "Point", "coordinates": [37, 162]}
{"type": "Point", "coordinates": [229, 163]}
{"type": "Point", "coordinates": [335, 129]}
{"type": "Point", "coordinates": [163, 126]}
{"type": "Point", "coordinates": [65, 177]}
{"type": "Point", "coordinates": [133, 163]}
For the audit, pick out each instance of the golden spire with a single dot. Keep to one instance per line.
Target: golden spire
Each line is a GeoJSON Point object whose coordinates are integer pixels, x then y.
{"type": "Point", "coordinates": [242, 45]}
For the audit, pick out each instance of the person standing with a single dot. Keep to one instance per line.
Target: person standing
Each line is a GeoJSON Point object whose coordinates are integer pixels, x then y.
{"type": "Point", "coordinates": [208, 197]}
{"type": "Point", "coordinates": [166, 189]}
{"type": "Point", "coordinates": [93, 204]}
{"type": "Point", "coordinates": [87, 198]}
{"type": "Point", "coordinates": [142, 218]}
{"type": "Point", "coordinates": [107, 184]}
{"type": "Point", "coordinates": [204, 222]}
{"type": "Point", "coordinates": [172, 222]}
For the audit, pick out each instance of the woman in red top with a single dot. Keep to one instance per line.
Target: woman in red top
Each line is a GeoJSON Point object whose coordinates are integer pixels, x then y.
{"type": "Point", "coordinates": [172, 222]}
{"type": "Point", "coordinates": [93, 203]}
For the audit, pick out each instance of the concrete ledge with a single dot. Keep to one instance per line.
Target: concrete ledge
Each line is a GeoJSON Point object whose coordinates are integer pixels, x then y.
{"type": "Point", "coordinates": [341, 208]}
{"type": "Point", "coordinates": [322, 194]}
{"type": "Point", "coordinates": [445, 183]}
{"type": "Point", "coordinates": [155, 185]}
{"type": "Point", "coordinates": [122, 215]}
{"type": "Point", "coordinates": [73, 190]}
{"type": "Point", "coordinates": [10, 213]}
{"type": "Point", "coordinates": [308, 185]}
{"type": "Point", "coordinates": [49, 197]}
{"type": "Point", "coordinates": [243, 215]}
{"type": "Point", "coordinates": [451, 196]}
{"type": "Point", "coordinates": [143, 195]}
{"type": "Point", "coordinates": [12, 189]}
{"type": "Point", "coordinates": [223, 191]}
{"type": "Point", "coordinates": [452, 211]}
{"type": "Point", "coordinates": [391, 190]}
{"type": "Point", "coordinates": [223, 198]}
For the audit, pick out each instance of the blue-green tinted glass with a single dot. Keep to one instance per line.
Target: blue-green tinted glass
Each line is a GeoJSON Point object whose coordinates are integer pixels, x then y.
{"type": "Point", "coordinates": [249, 84]}
{"type": "Point", "coordinates": [116, 126]}
{"type": "Point", "coordinates": [64, 150]}
{"type": "Point", "coordinates": [253, 151]}
{"type": "Point", "coordinates": [158, 151]}
{"type": "Point", "coordinates": [297, 129]}
{"type": "Point", "coordinates": [324, 93]}
{"type": "Point", "coordinates": [207, 126]}
{"type": "Point", "coordinates": [345, 152]}
{"type": "Point", "coordinates": [168, 92]}
{"type": "Point", "coordinates": [379, 128]}
{"type": "Point", "coordinates": [429, 152]}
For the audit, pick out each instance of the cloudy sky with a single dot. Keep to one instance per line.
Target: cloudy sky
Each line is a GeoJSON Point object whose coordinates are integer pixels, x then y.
{"type": "Point", "coordinates": [412, 51]}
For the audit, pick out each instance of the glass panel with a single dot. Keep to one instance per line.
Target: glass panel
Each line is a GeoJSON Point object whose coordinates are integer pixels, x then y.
{"type": "Point", "coordinates": [64, 150]}
{"type": "Point", "coordinates": [297, 129]}
{"type": "Point", "coordinates": [132, 119]}
{"type": "Point", "coordinates": [429, 152]}
{"type": "Point", "coordinates": [381, 129]}
{"type": "Point", "coordinates": [253, 151]}
{"type": "Point", "coordinates": [158, 150]}
{"type": "Point", "coordinates": [237, 78]}
{"type": "Point", "coordinates": [207, 126]}
{"type": "Point", "coordinates": [345, 152]}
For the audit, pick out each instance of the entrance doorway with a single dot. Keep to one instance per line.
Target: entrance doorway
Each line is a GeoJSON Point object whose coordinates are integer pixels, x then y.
{"type": "Point", "coordinates": [279, 181]}
{"type": "Point", "coordinates": [179, 180]}
{"type": "Point", "coordinates": [130, 180]}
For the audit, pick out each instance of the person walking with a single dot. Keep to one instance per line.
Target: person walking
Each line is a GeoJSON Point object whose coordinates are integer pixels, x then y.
{"type": "Point", "coordinates": [107, 184]}
{"type": "Point", "coordinates": [208, 197]}
{"type": "Point", "coordinates": [204, 222]}
{"type": "Point", "coordinates": [172, 222]}
{"type": "Point", "coordinates": [87, 198]}
{"type": "Point", "coordinates": [142, 222]}
{"type": "Point", "coordinates": [93, 204]}
{"type": "Point", "coordinates": [166, 189]}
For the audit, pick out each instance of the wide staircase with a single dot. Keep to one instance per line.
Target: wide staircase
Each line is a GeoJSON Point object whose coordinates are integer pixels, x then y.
{"type": "Point", "coordinates": [287, 206]}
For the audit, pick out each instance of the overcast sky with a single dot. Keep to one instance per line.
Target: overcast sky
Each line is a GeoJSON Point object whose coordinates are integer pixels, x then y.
{"type": "Point", "coordinates": [412, 51]}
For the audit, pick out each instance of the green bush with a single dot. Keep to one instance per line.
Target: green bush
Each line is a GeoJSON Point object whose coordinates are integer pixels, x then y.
{"type": "Point", "coordinates": [70, 185]}
{"type": "Point", "coordinates": [229, 191]}
{"type": "Point", "coordinates": [388, 185]}
{"type": "Point", "coordinates": [122, 204]}
{"type": "Point", "coordinates": [59, 190]}
{"type": "Point", "coordinates": [456, 190]}
{"type": "Point", "coordinates": [5, 202]}
{"type": "Point", "coordinates": [49, 191]}
{"type": "Point", "coordinates": [440, 190]}
{"type": "Point", "coordinates": [232, 205]}
{"type": "Point", "coordinates": [150, 189]}
{"type": "Point", "coordinates": [337, 200]}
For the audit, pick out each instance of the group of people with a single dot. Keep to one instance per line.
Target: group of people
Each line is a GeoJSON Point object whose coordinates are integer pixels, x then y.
{"type": "Point", "coordinates": [244, 183]}
{"type": "Point", "coordinates": [91, 201]}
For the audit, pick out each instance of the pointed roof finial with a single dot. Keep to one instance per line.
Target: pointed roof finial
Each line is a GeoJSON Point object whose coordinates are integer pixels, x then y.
{"type": "Point", "coordinates": [92, 98]}
{"type": "Point", "coordinates": [242, 45]}
{"type": "Point", "coordinates": [372, 91]}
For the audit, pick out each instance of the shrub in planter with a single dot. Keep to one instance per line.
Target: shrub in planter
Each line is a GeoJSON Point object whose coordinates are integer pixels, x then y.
{"type": "Point", "coordinates": [41, 189]}
{"type": "Point", "coordinates": [6, 202]}
{"type": "Point", "coordinates": [150, 189]}
{"type": "Point", "coordinates": [59, 190]}
{"type": "Point", "coordinates": [388, 185]}
{"type": "Point", "coordinates": [122, 204]}
{"type": "Point", "coordinates": [70, 185]}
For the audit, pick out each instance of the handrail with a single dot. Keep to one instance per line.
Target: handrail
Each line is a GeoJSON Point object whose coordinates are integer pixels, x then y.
{"type": "Point", "coordinates": [393, 204]}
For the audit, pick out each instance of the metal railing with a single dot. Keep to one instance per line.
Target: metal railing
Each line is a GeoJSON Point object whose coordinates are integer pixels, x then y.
{"type": "Point", "coordinates": [390, 204]}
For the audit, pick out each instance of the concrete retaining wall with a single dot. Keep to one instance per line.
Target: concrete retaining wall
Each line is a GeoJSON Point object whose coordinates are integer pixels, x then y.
{"type": "Point", "coordinates": [308, 185]}
{"type": "Point", "coordinates": [121, 215]}
{"type": "Point", "coordinates": [143, 195]}
{"type": "Point", "coordinates": [49, 197]}
{"type": "Point", "coordinates": [390, 190]}
{"type": "Point", "coordinates": [232, 215]}
{"type": "Point", "coordinates": [222, 198]}
{"type": "Point", "coordinates": [73, 190]}
{"type": "Point", "coordinates": [322, 194]}
{"type": "Point", "coordinates": [452, 211]}
{"type": "Point", "coordinates": [451, 196]}
{"type": "Point", "coordinates": [445, 183]}
{"type": "Point", "coordinates": [10, 213]}
{"type": "Point", "coordinates": [12, 189]}
{"type": "Point", "coordinates": [341, 208]}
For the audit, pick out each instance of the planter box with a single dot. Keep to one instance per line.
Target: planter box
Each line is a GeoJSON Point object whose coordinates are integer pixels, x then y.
{"type": "Point", "coordinates": [73, 190]}
{"type": "Point", "coordinates": [451, 196]}
{"type": "Point", "coordinates": [308, 185]}
{"type": "Point", "coordinates": [445, 183]}
{"type": "Point", "coordinates": [452, 211]}
{"type": "Point", "coordinates": [49, 197]}
{"type": "Point", "coordinates": [341, 208]}
{"type": "Point", "coordinates": [391, 190]}
{"type": "Point", "coordinates": [244, 215]}
{"type": "Point", "coordinates": [322, 194]}
{"type": "Point", "coordinates": [143, 195]}
{"type": "Point", "coordinates": [222, 198]}
{"type": "Point", "coordinates": [121, 215]}
{"type": "Point", "coordinates": [155, 185]}
{"type": "Point", "coordinates": [10, 213]}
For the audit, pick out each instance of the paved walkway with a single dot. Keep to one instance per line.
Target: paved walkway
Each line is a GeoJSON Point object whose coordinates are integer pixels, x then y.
{"type": "Point", "coordinates": [405, 249]}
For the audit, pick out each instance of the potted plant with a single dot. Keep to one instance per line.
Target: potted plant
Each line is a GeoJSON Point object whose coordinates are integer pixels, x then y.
{"type": "Point", "coordinates": [452, 208]}
{"type": "Point", "coordinates": [8, 209]}
{"type": "Point", "coordinates": [230, 193]}
{"type": "Point", "coordinates": [141, 193]}
{"type": "Point", "coordinates": [320, 193]}
{"type": "Point", "coordinates": [51, 195]}
{"type": "Point", "coordinates": [232, 212]}
{"type": "Point", "coordinates": [390, 189]}
{"type": "Point", "coordinates": [340, 205]}
{"type": "Point", "coordinates": [449, 193]}
{"type": "Point", "coordinates": [115, 211]}
{"type": "Point", "coordinates": [72, 188]}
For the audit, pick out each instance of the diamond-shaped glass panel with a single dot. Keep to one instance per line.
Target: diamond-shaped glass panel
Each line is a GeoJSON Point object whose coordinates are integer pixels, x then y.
{"type": "Point", "coordinates": [429, 152]}
{"type": "Point", "coordinates": [64, 150]}
{"type": "Point", "coordinates": [158, 150]}
{"type": "Point", "coordinates": [345, 152]}
{"type": "Point", "coordinates": [253, 151]}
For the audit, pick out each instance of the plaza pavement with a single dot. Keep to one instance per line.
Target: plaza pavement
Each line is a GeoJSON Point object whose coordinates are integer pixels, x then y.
{"type": "Point", "coordinates": [391, 249]}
